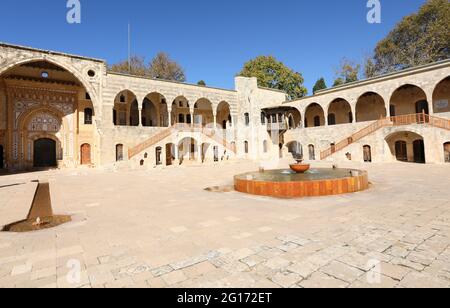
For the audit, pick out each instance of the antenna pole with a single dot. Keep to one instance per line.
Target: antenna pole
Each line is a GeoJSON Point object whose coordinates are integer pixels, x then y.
{"type": "Point", "coordinates": [129, 48]}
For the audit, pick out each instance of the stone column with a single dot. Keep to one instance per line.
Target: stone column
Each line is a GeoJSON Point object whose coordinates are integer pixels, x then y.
{"type": "Point", "coordinates": [169, 111]}
{"type": "Point", "coordinates": [140, 117]}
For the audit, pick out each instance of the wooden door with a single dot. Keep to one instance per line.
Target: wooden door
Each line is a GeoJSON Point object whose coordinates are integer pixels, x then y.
{"type": "Point", "coordinates": [401, 151]}
{"type": "Point", "coordinates": [86, 154]}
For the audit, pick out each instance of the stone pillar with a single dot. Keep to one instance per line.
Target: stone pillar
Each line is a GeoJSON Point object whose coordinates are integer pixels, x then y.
{"type": "Point", "coordinates": [169, 111]}
{"type": "Point", "coordinates": [192, 119]}
{"type": "Point", "coordinates": [215, 120]}
{"type": "Point", "coordinates": [353, 107]}
{"type": "Point", "coordinates": [140, 117]}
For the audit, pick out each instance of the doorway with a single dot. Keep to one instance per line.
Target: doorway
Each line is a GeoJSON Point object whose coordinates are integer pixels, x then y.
{"type": "Point", "coordinates": [419, 151]}
{"type": "Point", "coordinates": [401, 151]}
{"type": "Point", "coordinates": [2, 163]}
{"type": "Point", "coordinates": [447, 152]}
{"type": "Point", "coordinates": [367, 150]}
{"type": "Point", "coordinates": [44, 153]}
{"type": "Point", "coordinates": [86, 154]}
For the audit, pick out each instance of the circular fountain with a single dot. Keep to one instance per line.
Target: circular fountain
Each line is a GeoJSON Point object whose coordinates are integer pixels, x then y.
{"type": "Point", "coordinates": [296, 183]}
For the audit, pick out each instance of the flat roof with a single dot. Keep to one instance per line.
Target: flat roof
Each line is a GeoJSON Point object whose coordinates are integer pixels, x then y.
{"type": "Point", "coordinates": [50, 52]}
{"type": "Point", "coordinates": [109, 72]}
{"type": "Point", "coordinates": [393, 75]}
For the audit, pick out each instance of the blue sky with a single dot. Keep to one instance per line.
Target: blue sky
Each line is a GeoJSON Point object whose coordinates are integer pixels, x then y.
{"type": "Point", "coordinates": [211, 39]}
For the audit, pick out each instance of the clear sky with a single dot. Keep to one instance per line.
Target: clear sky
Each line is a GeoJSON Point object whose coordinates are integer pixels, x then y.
{"type": "Point", "coordinates": [211, 39]}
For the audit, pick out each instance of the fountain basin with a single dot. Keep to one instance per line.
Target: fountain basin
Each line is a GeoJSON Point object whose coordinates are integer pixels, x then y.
{"type": "Point", "coordinates": [313, 183]}
{"type": "Point", "coordinates": [300, 168]}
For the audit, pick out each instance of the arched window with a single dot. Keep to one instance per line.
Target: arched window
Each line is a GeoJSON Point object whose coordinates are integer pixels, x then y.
{"type": "Point", "coordinates": [247, 119]}
{"type": "Point", "coordinates": [367, 154]}
{"type": "Point", "coordinates": [158, 156]}
{"type": "Point", "coordinates": [246, 147]}
{"type": "Point", "coordinates": [447, 152]}
{"type": "Point", "coordinates": [119, 152]}
{"type": "Point", "coordinates": [265, 146]}
{"type": "Point", "coordinates": [2, 164]}
{"type": "Point", "coordinates": [85, 154]}
{"type": "Point", "coordinates": [181, 118]}
{"type": "Point", "coordinates": [263, 118]}
{"type": "Point", "coordinates": [188, 119]}
{"type": "Point", "coordinates": [331, 119]}
{"type": "Point", "coordinates": [88, 112]}
{"type": "Point", "coordinates": [291, 122]}
{"type": "Point", "coordinates": [312, 152]}
{"type": "Point", "coordinates": [317, 121]}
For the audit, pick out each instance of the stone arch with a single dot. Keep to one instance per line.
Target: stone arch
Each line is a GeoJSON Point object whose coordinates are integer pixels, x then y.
{"type": "Point", "coordinates": [155, 111]}
{"type": "Point", "coordinates": [223, 115]}
{"type": "Point", "coordinates": [180, 110]}
{"type": "Point", "coordinates": [59, 133]}
{"type": "Point", "coordinates": [203, 112]}
{"type": "Point", "coordinates": [65, 66]}
{"type": "Point", "coordinates": [187, 150]}
{"type": "Point", "coordinates": [314, 115]}
{"type": "Point", "coordinates": [370, 106]}
{"type": "Point", "coordinates": [294, 118]}
{"type": "Point", "coordinates": [441, 96]}
{"type": "Point", "coordinates": [406, 146]}
{"type": "Point", "coordinates": [339, 112]}
{"type": "Point", "coordinates": [123, 103]}
{"type": "Point", "coordinates": [408, 99]}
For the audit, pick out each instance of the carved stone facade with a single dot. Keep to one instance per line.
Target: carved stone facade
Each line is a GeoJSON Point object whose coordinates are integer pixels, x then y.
{"type": "Point", "coordinates": [90, 113]}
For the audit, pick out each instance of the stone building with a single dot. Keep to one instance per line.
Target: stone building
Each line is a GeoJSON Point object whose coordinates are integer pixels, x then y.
{"type": "Point", "coordinates": [60, 110]}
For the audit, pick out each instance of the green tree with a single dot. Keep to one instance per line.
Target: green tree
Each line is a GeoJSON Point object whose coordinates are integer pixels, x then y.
{"type": "Point", "coordinates": [348, 71]}
{"type": "Point", "coordinates": [136, 66]}
{"type": "Point", "coordinates": [320, 85]}
{"type": "Point", "coordinates": [338, 82]}
{"type": "Point", "coordinates": [273, 74]}
{"type": "Point", "coordinates": [201, 83]}
{"type": "Point", "coordinates": [418, 39]}
{"type": "Point", "coordinates": [369, 68]}
{"type": "Point", "coordinates": [162, 67]}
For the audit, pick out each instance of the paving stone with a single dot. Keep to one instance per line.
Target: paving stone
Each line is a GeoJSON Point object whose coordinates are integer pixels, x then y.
{"type": "Point", "coordinates": [286, 279]}
{"type": "Point", "coordinates": [321, 280]}
{"type": "Point", "coordinates": [174, 277]}
{"type": "Point", "coordinates": [382, 283]}
{"type": "Point", "coordinates": [277, 263]}
{"type": "Point", "coordinates": [422, 281]}
{"type": "Point", "coordinates": [342, 271]}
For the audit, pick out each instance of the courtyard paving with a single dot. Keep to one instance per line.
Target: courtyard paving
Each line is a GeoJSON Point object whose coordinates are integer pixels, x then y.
{"type": "Point", "coordinates": [160, 228]}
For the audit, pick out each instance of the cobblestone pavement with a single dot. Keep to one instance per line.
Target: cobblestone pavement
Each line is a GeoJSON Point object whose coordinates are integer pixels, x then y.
{"type": "Point", "coordinates": [160, 228]}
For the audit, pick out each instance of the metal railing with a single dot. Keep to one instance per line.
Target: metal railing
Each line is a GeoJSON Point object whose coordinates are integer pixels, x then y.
{"type": "Point", "coordinates": [409, 119]}
{"type": "Point", "coordinates": [181, 127]}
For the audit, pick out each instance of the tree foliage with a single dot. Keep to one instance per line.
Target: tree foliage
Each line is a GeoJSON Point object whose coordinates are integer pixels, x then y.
{"type": "Point", "coordinates": [136, 66]}
{"type": "Point", "coordinates": [201, 83]}
{"type": "Point", "coordinates": [418, 39]}
{"type": "Point", "coordinates": [320, 85]}
{"type": "Point", "coordinates": [348, 71]}
{"type": "Point", "coordinates": [161, 67]}
{"type": "Point", "coordinates": [273, 74]}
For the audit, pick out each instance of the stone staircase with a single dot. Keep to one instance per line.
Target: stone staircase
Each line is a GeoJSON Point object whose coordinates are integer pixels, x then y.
{"type": "Point", "coordinates": [410, 119]}
{"type": "Point", "coordinates": [177, 128]}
